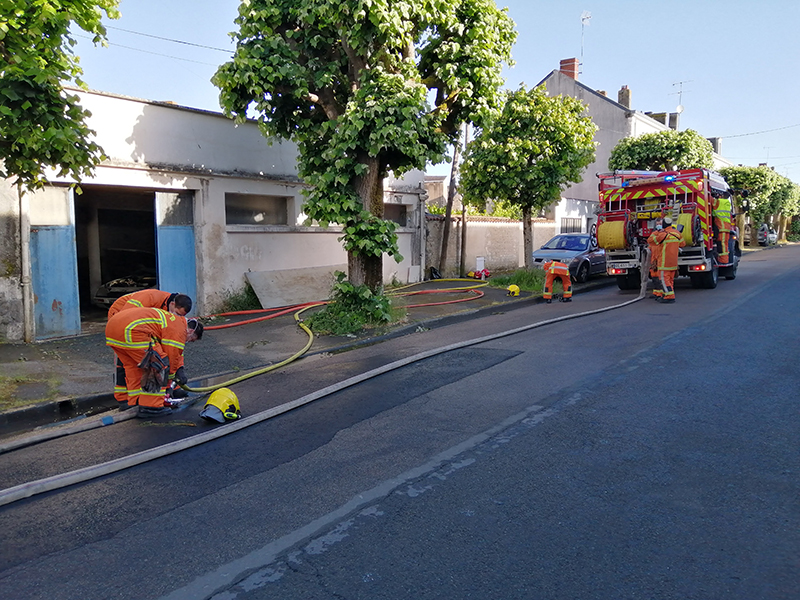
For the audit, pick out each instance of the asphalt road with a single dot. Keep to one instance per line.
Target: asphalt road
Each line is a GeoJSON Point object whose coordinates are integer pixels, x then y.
{"type": "Point", "coordinates": [645, 452]}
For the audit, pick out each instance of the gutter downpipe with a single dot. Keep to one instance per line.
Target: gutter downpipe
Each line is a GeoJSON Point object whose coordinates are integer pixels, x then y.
{"type": "Point", "coordinates": [25, 263]}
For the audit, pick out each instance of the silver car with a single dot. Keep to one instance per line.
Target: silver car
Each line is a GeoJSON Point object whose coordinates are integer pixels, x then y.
{"type": "Point", "coordinates": [579, 251]}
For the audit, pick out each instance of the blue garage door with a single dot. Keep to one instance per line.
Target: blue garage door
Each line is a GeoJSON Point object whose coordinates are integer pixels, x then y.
{"type": "Point", "coordinates": [54, 278]}
{"type": "Point", "coordinates": [175, 246]}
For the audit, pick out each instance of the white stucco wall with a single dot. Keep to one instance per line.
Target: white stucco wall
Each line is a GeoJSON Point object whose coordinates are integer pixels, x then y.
{"type": "Point", "coordinates": [139, 132]}
{"type": "Point", "coordinates": [163, 147]}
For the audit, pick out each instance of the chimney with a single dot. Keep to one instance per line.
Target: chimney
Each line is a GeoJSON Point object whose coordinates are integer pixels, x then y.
{"type": "Point", "coordinates": [716, 144]}
{"type": "Point", "coordinates": [624, 96]}
{"type": "Point", "coordinates": [602, 93]}
{"type": "Point", "coordinates": [569, 67]}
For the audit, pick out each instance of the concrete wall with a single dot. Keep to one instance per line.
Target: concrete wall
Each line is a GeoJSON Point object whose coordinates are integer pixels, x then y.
{"type": "Point", "coordinates": [164, 147]}
{"type": "Point", "coordinates": [498, 241]}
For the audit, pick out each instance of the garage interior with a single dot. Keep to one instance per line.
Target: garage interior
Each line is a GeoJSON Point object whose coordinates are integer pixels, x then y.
{"type": "Point", "coordinates": [115, 234]}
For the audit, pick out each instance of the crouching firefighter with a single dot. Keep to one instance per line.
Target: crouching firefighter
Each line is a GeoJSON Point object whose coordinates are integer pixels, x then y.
{"type": "Point", "coordinates": [150, 342]}
{"type": "Point", "coordinates": [553, 269]}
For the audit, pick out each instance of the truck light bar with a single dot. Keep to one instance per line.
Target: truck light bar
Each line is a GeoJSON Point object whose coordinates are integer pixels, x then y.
{"type": "Point", "coordinates": [649, 180]}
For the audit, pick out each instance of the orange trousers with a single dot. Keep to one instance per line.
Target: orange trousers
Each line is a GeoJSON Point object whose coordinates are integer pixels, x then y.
{"type": "Point", "coordinates": [550, 278]}
{"type": "Point", "coordinates": [667, 280]}
{"type": "Point", "coordinates": [133, 393]}
{"type": "Point", "coordinates": [724, 239]}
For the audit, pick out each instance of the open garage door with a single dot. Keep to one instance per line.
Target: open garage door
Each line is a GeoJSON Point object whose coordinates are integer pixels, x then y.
{"type": "Point", "coordinates": [54, 270]}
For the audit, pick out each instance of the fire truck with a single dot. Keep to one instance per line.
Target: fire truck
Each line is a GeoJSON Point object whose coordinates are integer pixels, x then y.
{"type": "Point", "coordinates": [633, 202]}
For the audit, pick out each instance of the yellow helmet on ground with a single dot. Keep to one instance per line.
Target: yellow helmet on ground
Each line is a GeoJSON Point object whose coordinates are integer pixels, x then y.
{"type": "Point", "coordinates": [513, 290]}
{"type": "Point", "coordinates": [222, 405]}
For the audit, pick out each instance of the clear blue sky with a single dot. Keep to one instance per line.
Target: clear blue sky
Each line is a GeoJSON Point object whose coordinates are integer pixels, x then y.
{"type": "Point", "coordinates": [738, 61]}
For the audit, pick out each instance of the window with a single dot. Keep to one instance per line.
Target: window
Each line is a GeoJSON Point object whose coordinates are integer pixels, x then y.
{"type": "Point", "coordinates": [571, 225]}
{"type": "Point", "coordinates": [397, 213]}
{"type": "Point", "coordinates": [255, 209]}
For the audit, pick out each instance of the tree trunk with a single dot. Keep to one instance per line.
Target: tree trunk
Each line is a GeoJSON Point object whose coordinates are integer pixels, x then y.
{"type": "Point", "coordinates": [451, 193]}
{"type": "Point", "coordinates": [367, 269]}
{"type": "Point", "coordinates": [527, 236]}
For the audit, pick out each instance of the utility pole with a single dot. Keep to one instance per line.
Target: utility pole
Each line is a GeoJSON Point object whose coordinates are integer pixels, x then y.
{"type": "Point", "coordinates": [463, 263]}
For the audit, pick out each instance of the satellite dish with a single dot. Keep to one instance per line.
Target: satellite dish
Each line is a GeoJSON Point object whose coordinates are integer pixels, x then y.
{"type": "Point", "coordinates": [679, 109]}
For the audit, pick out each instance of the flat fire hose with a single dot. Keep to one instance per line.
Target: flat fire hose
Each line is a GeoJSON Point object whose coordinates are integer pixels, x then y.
{"type": "Point", "coordinates": [32, 488]}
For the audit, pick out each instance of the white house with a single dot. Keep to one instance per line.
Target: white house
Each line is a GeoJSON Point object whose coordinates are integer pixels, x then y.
{"type": "Point", "coordinates": [615, 121]}
{"type": "Point", "coordinates": [186, 194]}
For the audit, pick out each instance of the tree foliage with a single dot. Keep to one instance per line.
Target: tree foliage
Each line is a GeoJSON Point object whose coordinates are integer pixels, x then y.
{"type": "Point", "coordinates": [764, 193]}
{"type": "Point", "coordinates": [527, 155]}
{"type": "Point", "coordinates": [662, 151]}
{"type": "Point", "coordinates": [41, 125]}
{"type": "Point", "coordinates": [351, 81]}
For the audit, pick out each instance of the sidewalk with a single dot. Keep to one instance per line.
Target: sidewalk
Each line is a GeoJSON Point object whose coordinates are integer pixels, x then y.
{"type": "Point", "coordinates": [56, 380]}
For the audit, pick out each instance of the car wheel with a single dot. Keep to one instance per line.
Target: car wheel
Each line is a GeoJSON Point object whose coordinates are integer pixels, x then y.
{"type": "Point", "coordinates": [583, 273]}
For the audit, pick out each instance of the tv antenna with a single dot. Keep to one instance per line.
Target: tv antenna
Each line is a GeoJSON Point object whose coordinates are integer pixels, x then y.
{"type": "Point", "coordinates": [586, 16]}
{"type": "Point", "coordinates": [679, 93]}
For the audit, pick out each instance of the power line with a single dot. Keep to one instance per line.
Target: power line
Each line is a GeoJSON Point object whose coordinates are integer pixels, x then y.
{"type": "Point", "coordinates": [169, 39]}
{"type": "Point", "coordinates": [154, 53]}
{"type": "Point", "coordinates": [727, 137]}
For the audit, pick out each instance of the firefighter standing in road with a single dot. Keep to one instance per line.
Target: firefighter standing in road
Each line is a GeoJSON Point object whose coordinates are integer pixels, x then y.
{"type": "Point", "coordinates": [670, 240]}
{"type": "Point", "coordinates": [177, 304]}
{"type": "Point", "coordinates": [131, 333]}
{"type": "Point", "coordinates": [553, 269]}
{"type": "Point", "coordinates": [723, 215]}
{"type": "Point", "coordinates": [655, 256]}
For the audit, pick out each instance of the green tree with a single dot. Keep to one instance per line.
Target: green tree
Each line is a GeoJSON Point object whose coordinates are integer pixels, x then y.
{"type": "Point", "coordinates": [41, 125]}
{"type": "Point", "coordinates": [662, 151]}
{"type": "Point", "coordinates": [350, 83]}
{"type": "Point", "coordinates": [753, 188]}
{"type": "Point", "coordinates": [784, 204]}
{"type": "Point", "coordinates": [527, 155]}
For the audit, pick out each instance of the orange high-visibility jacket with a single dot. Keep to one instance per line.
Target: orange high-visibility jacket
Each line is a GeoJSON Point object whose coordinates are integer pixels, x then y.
{"type": "Point", "coordinates": [134, 328]}
{"type": "Point", "coordinates": [151, 298]}
{"type": "Point", "coordinates": [670, 240]}
{"type": "Point", "coordinates": [723, 214]}
{"type": "Point", "coordinates": [655, 251]}
{"type": "Point", "coordinates": [556, 267]}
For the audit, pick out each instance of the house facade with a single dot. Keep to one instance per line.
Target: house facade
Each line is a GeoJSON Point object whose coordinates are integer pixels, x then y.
{"type": "Point", "coordinates": [188, 197]}
{"type": "Point", "coordinates": [615, 121]}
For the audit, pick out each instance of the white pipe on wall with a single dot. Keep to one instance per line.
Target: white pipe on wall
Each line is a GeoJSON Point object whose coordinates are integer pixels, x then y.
{"type": "Point", "coordinates": [25, 264]}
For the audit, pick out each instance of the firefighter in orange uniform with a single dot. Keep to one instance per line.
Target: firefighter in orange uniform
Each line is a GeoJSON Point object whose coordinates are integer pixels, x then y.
{"type": "Point", "coordinates": [723, 215]}
{"type": "Point", "coordinates": [177, 304]}
{"type": "Point", "coordinates": [655, 256]}
{"type": "Point", "coordinates": [130, 333]}
{"type": "Point", "coordinates": [553, 269]}
{"type": "Point", "coordinates": [670, 240]}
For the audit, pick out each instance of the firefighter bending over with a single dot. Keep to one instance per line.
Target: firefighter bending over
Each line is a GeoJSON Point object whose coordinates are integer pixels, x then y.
{"type": "Point", "coordinates": [150, 342]}
{"type": "Point", "coordinates": [553, 269]}
{"type": "Point", "coordinates": [670, 241]}
{"type": "Point", "coordinates": [655, 257]}
{"type": "Point", "coordinates": [177, 304]}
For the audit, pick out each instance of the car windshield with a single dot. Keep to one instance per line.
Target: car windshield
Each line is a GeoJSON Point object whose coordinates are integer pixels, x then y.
{"type": "Point", "coordinates": [567, 242]}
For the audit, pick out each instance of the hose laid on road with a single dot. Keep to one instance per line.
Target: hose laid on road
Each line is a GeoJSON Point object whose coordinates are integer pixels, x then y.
{"type": "Point", "coordinates": [26, 490]}
{"type": "Point", "coordinates": [104, 421]}
{"type": "Point", "coordinates": [294, 356]}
